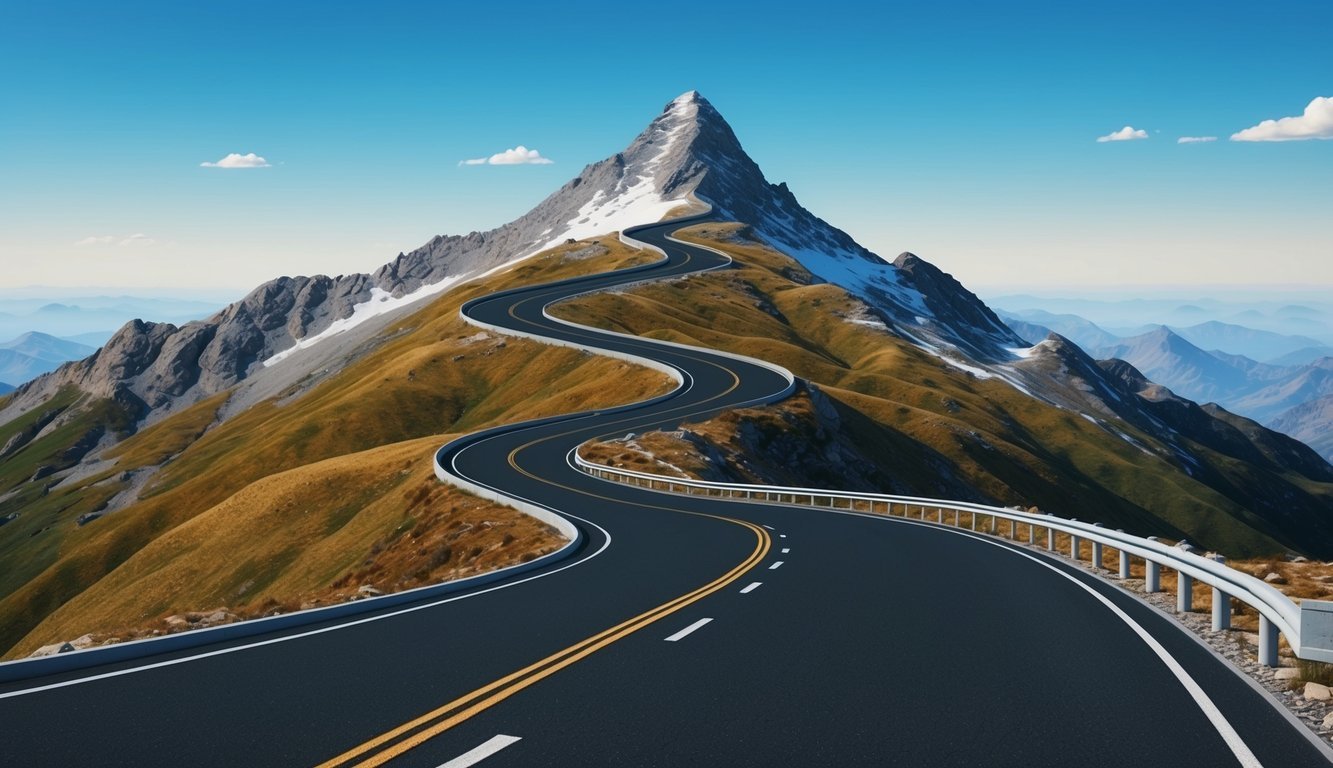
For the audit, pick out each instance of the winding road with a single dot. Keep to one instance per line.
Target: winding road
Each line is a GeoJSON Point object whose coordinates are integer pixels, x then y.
{"type": "Point", "coordinates": [684, 631]}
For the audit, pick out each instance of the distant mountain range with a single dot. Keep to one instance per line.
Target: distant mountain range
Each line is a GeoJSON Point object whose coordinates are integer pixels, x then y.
{"type": "Point", "coordinates": [33, 354]}
{"type": "Point", "coordinates": [1251, 310]}
{"type": "Point", "coordinates": [91, 319]}
{"type": "Point", "coordinates": [1273, 393]}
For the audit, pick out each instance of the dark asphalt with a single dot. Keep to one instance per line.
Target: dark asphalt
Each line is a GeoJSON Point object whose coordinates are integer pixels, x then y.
{"type": "Point", "coordinates": [876, 642]}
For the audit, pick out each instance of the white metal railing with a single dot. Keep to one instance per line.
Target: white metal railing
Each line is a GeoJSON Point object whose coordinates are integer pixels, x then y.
{"type": "Point", "coordinates": [1308, 626]}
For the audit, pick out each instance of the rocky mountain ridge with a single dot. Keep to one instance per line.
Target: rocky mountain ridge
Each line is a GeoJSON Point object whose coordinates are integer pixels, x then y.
{"type": "Point", "coordinates": [688, 153]}
{"type": "Point", "coordinates": [288, 329]}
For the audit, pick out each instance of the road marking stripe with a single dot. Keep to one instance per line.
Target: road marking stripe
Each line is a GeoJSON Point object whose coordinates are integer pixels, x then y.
{"type": "Point", "coordinates": [681, 635]}
{"type": "Point", "coordinates": [786, 550]}
{"type": "Point", "coordinates": [753, 586]}
{"type": "Point", "coordinates": [312, 632]}
{"type": "Point", "coordinates": [771, 528]}
{"type": "Point", "coordinates": [782, 535]}
{"type": "Point", "coordinates": [481, 752]}
{"type": "Point", "coordinates": [775, 566]}
{"type": "Point", "coordinates": [517, 681]}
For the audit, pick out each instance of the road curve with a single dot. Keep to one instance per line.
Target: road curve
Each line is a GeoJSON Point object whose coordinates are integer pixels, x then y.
{"type": "Point", "coordinates": [684, 631]}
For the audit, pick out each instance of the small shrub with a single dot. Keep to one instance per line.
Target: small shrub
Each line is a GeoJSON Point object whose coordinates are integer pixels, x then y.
{"type": "Point", "coordinates": [442, 556]}
{"type": "Point", "coordinates": [1315, 672]}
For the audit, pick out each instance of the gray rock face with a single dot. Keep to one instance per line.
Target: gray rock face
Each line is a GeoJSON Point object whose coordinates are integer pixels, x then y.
{"type": "Point", "coordinates": [963, 318]}
{"type": "Point", "coordinates": [687, 151]}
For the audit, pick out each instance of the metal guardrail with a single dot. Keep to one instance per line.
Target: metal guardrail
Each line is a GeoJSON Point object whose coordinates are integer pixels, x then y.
{"type": "Point", "coordinates": [1308, 626]}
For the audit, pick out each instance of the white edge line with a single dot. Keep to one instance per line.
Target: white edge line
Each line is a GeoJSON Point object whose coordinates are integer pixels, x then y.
{"type": "Point", "coordinates": [481, 751]}
{"type": "Point", "coordinates": [752, 587]}
{"type": "Point", "coordinates": [686, 631]}
{"type": "Point", "coordinates": [320, 631]}
{"type": "Point", "coordinates": [1205, 704]}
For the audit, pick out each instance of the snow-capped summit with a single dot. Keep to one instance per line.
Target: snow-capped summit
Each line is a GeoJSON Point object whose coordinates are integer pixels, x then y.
{"type": "Point", "coordinates": [687, 154]}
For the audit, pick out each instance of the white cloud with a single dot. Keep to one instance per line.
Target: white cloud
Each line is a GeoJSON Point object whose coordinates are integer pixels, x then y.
{"type": "Point", "coordinates": [138, 239]}
{"type": "Point", "coordinates": [1195, 139]}
{"type": "Point", "coordinates": [519, 155]}
{"type": "Point", "coordinates": [1128, 133]}
{"type": "Point", "coordinates": [237, 160]}
{"type": "Point", "coordinates": [1315, 123]}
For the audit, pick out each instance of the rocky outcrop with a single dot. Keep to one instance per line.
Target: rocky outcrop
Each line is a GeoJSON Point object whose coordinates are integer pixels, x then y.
{"type": "Point", "coordinates": [957, 312]}
{"type": "Point", "coordinates": [689, 151]}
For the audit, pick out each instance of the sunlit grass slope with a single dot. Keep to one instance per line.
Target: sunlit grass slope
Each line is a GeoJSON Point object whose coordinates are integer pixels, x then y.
{"type": "Point", "coordinates": [287, 498]}
{"type": "Point", "coordinates": [907, 422]}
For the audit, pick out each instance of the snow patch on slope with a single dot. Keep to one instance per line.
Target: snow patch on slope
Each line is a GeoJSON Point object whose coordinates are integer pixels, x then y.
{"type": "Point", "coordinates": [844, 268]}
{"type": "Point", "coordinates": [381, 303]}
{"type": "Point", "coordinates": [635, 202]}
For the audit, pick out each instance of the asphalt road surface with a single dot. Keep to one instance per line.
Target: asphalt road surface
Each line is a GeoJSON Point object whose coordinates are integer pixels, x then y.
{"type": "Point", "coordinates": [685, 631]}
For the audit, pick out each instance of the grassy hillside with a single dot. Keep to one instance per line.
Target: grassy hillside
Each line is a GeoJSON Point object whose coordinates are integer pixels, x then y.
{"type": "Point", "coordinates": [897, 419]}
{"type": "Point", "coordinates": [293, 496]}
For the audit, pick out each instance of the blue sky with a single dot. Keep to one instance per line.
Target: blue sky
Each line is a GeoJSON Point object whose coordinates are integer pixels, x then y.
{"type": "Point", "coordinates": [965, 132]}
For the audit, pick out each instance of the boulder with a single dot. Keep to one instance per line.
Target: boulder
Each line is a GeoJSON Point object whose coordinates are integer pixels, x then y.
{"type": "Point", "coordinates": [51, 650]}
{"type": "Point", "coordinates": [1328, 721]}
{"type": "Point", "coordinates": [367, 589]}
{"type": "Point", "coordinates": [1275, 578]}
{"type": "Point", "coordinates": [1286, 673]}
{"type": "Point", "coordinates": [1317, 692]}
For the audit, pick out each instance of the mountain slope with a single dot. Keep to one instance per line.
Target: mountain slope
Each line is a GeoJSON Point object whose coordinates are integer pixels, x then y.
{"type": "Point", "coordinates": [687, 152]}
{"type": "Point", "coordinates": [1310, 422]}
{"type": "Point", "coordinates": [937, 394]}
{"type": "Point", "coordinates": [1099, 442]}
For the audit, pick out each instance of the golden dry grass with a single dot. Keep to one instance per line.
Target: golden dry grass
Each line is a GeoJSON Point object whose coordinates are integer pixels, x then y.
{"type": "Point", "coordinates": [308, 536]}
{"type": "Point", "coordinates": [430, 376]}
{"type": "Point", "coordinates": [920, 419]}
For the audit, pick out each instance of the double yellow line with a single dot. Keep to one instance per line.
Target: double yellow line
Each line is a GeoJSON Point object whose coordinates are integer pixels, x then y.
{"type": "Point", "coordinates": [395, 742]}
{"type": "Point", "coordinates": [391, 744]}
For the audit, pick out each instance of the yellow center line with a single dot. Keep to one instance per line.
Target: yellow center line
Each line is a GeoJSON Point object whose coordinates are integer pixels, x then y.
{"type": "Point", "coordinates": [581, 651]}
{"type": "Point", "coordinates": [514, 682]}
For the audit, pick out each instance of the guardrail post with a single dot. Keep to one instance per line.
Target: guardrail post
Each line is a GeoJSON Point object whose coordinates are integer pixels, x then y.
{"type": "Point", "coordinates": [1097, 552]}
{"type": "Point", "coordinates": [939, 515]}
{"type": "Point", "coordinates": [1124, 559]}
{"type": "Point", "coordinates": [1152, 576]}
{"type": "Point", "coordinates": [1267, 642]}
{"type": "Point", "coordinates": [973, 517]}
{"type": "Point", "coordinates": [992, 523]}
{"type": "Point", "coordinates": [1184, 592]}
{"type": "Point", "coordinates": [1075, 544]}
{"type": "Point", "coordinates": [1221, 604]}
{"type": "Point", "coordinates": [1032, 534]}
{"type": "Point", "coordinates": [1050, 538]}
